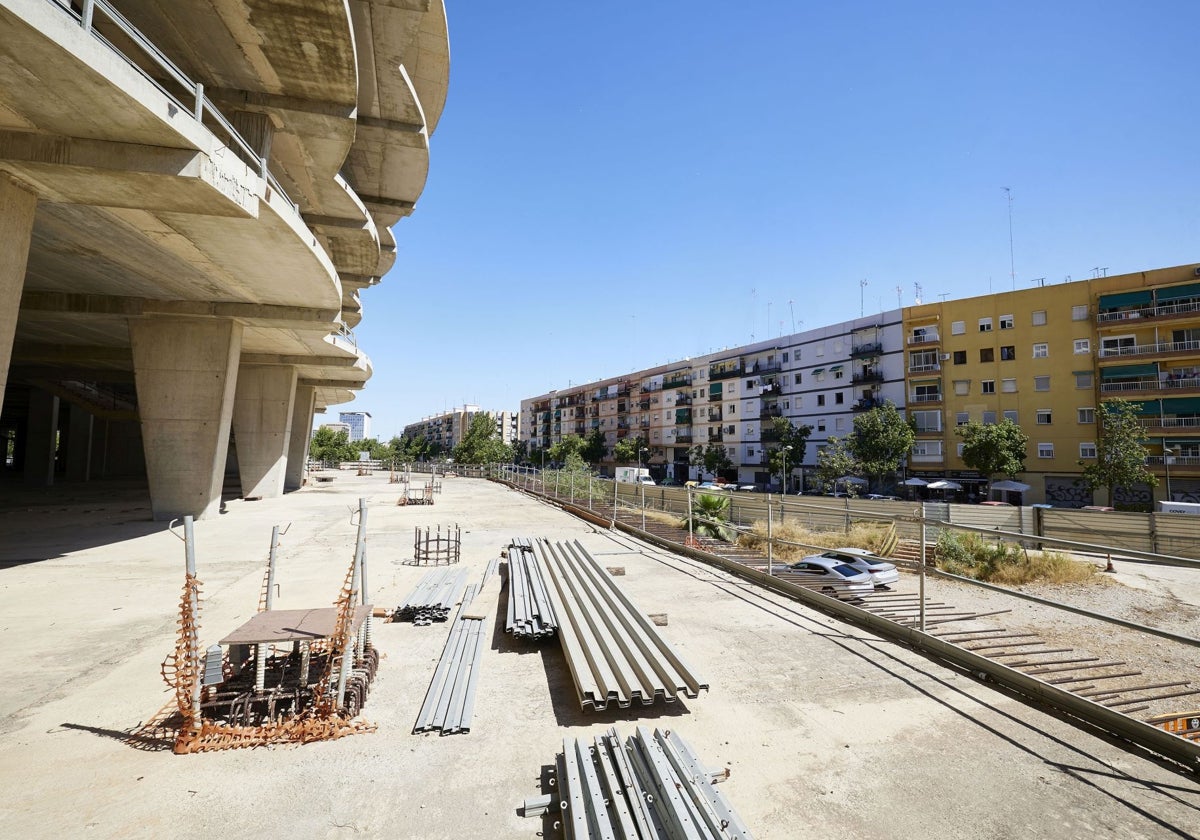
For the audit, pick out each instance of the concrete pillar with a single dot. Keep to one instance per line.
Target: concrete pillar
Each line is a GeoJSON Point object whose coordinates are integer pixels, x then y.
{"type": "Point", "coordinates": [262, 421]}
{"type": "Point", "coordinates": [41, 437]}
{"type": "Point", "coordinates": [79, 443]}
{"type": "Point", "coordinates": [186, 373]}
{"type": "Point", "coordinates": [17, 206]}
{"type": "Point", "coordinates": [302, 417]}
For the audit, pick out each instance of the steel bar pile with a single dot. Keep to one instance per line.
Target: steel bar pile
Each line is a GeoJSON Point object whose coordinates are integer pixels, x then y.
{"type": "Point", "coordinates": [437, 550]}
{"type": "Point", "coordinates": [530, 614]}
{"type": "Point", "coordinates": [433, 598]}
{"type": "Point", "coordinates": [613, 650]}
{"type": "Point", "coordinates": [653, 786]}
{"type": "Point", "coordinates": [450, 700]}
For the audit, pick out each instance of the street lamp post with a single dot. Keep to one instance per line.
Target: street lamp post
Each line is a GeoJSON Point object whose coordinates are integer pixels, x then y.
{"type": "Point", "coordinates": [786, 450]}
{"type": "Point", "coordinates": [1169, 452]}
{"type": "Point", "coordinates": [642, 484]}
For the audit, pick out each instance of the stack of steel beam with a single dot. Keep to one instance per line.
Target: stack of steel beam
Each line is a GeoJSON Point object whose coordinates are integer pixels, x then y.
{"type": "Point", "coordinates": [613, 650]}
{"type": "Point", "coordinates": [450, 701]}
{"type": "Point", "coordinates": [653, 786]}
{"type": "Point", "coordinates": [530, 614]}
{"type": "Point", "coordinates": [433, 598]}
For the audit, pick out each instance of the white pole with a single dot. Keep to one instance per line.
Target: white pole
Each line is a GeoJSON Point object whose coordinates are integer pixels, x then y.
{"type": "Point", "coordinates": [922, 577]}
{"type": "Point", "coordinates": [770, 544]}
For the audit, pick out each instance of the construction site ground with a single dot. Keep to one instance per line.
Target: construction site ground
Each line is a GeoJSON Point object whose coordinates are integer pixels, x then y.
{"type": "Point", "coordinates": [826, 730]}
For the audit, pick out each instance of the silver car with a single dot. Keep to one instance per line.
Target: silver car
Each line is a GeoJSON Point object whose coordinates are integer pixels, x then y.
{"type": "Point", "coordinates": [883, 574]}
{"type": "Point", "coordinates": [829, 576]}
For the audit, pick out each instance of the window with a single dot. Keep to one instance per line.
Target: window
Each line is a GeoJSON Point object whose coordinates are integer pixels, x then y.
{"type": "Point", "coordinates": [960, 357]}
{"type": "Point", "coordinates": [1080, 313]}
{"type": "Point", "coordinates": [1085, 415]}
{"type": "Point", "coordinates": [1039, 317]}
{"type": "Point", "coordinates": [987, 386]}
{"type": "Point", "coordinates": [1008, 386]}
{"type": "Point", "coordinates": [799, 402]}
{"type": "Point", "coordinates": [1041, 383]}
{"type": "Point", "coordinates": [1045, 450]}
{"type": "Point", "coordinates": [837, 424]}
{"type": "Point", "coordinates": [1041, 351]}
{"type": "Point", "coordinates": [927, 393]}
{"type": "Point", "coordinates": [987, 354]}
{"type": "Point", "coordinates": [1083, 345]}
{"type": "Point", "coordinates": [839, 398]}
{"type": "Point", "coordinates": [927, 449]}
{"type": "Point", "coordinates": [798, 379]}
{"type": "Point", "coordinates": [750, 450]}
{"type": "Point", "coordinates": [1008, 353]}
{"type": "Point", "coordinates": [733, 409]}
{"type": "Point", "coordinates": [985, 324]}
{"type": "Point", "coordinates": [838, 373]}
{"type": "Point", "coordinates": [961, 418]}
{"type": "Point", "coordinates": [1006, 322]}
{"type": "Point", "coordinates": [820, 399]}
{"type": "Point", "coordinates": [1087, 450]}
{"type": "Point", "coordinates": [821, 425]}
{"type": "Point", "coordinates": [1083, 379]}
{"type": "Point", "coordinates": [927, 421]}
{"type": "Point", "coordinates": [958, 328]}
{"type": "Point", "coordinates": [820, 349]}
{"type": "Point", "coordinates": [958, 450]}
{"type": "Point", "coordinates": [989, 418]}
{"type": "Point", "coordinates": [1043, 417]}
{"type": "Point", "coordinates": [1011, 416]}
{"type": "Point", "coordinates": [962, 387]}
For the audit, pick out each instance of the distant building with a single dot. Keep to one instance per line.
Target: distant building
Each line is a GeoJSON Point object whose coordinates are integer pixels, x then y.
{"type": "Point", "coordinates": [448, 428]}
{"type": "Point", "coordinates": [359, 423]}
{"type": "Point", "coordinates": [337, 427]}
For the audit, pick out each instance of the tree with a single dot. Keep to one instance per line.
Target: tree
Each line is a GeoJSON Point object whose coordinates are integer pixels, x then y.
{"type": "Point", "coordinates": [523, 452]}
{"type": "Point", "coordinates": [833, 462]}
{"type": "Point", "coordinates": [709, 515]}
{"type": "Point", "coordinates": [481, 444]}
{"type": "Point", "coordinates": [594, 448]}
{"type": "Point", "coordinates": [331, 447]}
{"type": "Point", "coordinates": [711, 458]}
{"type": "Point", "coordinates": [880, 442]}
{"type": "Point", "coordinates": [790, 437]}
{"type": "Point", "coordinates": [994, 447]}
{"type": "Point", "coordinates": [626, 451]}
{"type": "Point", "coordinates": [563, 449]}
{"type": "Point", "coordinates": [1120, 451]}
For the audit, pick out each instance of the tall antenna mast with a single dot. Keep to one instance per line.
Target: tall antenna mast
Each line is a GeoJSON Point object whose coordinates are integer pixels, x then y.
{"type": "Point", "coordinates": [1012, 263]}
{"type": "Point", "coordinates": [899, 300]}
{"type": "Point", "coordinates": [862, 285]}
{"type": "Point", "coordinates": [793, 311]}
{"type": "Point", "coordinates": [917, 287]}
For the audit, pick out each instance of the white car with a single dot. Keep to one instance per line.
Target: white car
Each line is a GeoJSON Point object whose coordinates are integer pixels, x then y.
{"type": "Point", "coordinates": [883, 574]}
{"type": "Point", "coordinates": [830, 577]}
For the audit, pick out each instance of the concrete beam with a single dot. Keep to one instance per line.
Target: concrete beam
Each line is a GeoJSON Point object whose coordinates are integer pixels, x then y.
{"type": "Point", "coordinates": [262, 423]}
{"type": "Point", "coordinates": [41, 438]}
{"type": "Point", "coordinates": [251, 314]}
{"type": "Point", "coordinates": [302, 417]}
{"type": "Point", "coordinates": [391, 125]}
{"type": "Point", "coordinates": [186, 372]}
{"type": "Point", "coordinates": [299, 361]}
{"type": "Point", "coordinates": [17, 207]}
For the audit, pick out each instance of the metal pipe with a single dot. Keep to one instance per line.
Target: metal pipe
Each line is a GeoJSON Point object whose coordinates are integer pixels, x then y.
{"type": "Point", "coordinates": [921, 590]}
{"type": "Point", "coordinates": [770, 543]}
{"type": "Point", "coordinates": [189, 552]}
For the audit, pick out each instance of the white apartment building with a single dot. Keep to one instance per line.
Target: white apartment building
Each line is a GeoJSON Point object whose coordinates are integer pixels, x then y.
{"type": "Point", "coordinates": [448, 428]}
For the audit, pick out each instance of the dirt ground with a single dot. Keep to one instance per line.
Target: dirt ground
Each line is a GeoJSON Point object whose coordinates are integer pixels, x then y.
{"type": "Point", "coordinates": [827, 731]}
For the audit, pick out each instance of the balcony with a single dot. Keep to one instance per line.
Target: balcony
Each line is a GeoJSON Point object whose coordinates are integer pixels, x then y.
{"type": "Point", "coordinates": [1186, 462]}
{"type": "Point", "coordinates": [715, 375]}
{"type": "Point", "coordinates": [766, 367]}
{"type": "Point", "coordinates": [716, 396]}
{"type": "Point", "coordinates": [769, 435]}
{"type": "Point", "coordinates": [622, 408]}
{"type": "Point", "coordinates": [677, 381]}
{"type": "Point", "coordinates": [1153, 385]}
{"type": "Point", "coordinates": [770, 411]}
{"type": "Point", "coordinates": [1159, 347]}
{"type": "Point", "coordinates": [1181, 424]}
{"type": "Point", "coordinates": [860, 351]}
{"type": "Point", "coordinates": [771, 390]}
{"type": "Point", "coordinates": [926, 398]}
{"type": "Point", "coordinates": [644, 405]}
{"type": "Point", "coordinates": [716, 437]}
{"type": "Point", "coordinates": [929, 367]}
{"type": "Point", "coordinates": [683, 399]}
{"type": "Point", "coordinates": [623, 424]}
{"type": "Point", "coordinates": [683, 417]}
{"type": "Point", "coordinates": [926, 337]}
{"type": "Point", "coordinates": [580, 428]}
{"type": "Point", "coordinates": [622, 433]}
{"type": "Point", "coordinates": [643, 424]}
{"type": "Point", "coordinates": [1174, 310]}
{"type": "Point", "coordinates": [682, 436]}
{"type": "Point", "coordinates": [714, 416]}
{"type": "Point", "coordinates": [866, 376]}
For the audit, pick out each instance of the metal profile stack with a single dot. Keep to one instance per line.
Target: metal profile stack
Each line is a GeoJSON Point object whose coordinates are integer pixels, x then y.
{"type": "Point", "coordinates": [530, 614]}
{"type": "Point", "coordinates": [613, 650]}
{"type": "Point", "coordinates": [652, 786]}
{"type": "Point", "coordinates": [433, 598]}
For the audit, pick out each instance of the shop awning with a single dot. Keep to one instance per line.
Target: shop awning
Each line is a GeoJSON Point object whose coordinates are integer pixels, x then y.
{"type": "Point", "coordinates": [1125, 371]}
{"type": "Point", "coordinates": [1138, 298]}
{"type": "Point", "coordinates": [1177, 292]}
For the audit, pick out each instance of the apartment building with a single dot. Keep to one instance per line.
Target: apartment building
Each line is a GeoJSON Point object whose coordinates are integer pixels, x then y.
{"type": "Point", "coordinates": [359, 423]}
{"type": "Point", "coordinates": [448, 428]}
{"type": "Point", "coordinates": [1045, 357]}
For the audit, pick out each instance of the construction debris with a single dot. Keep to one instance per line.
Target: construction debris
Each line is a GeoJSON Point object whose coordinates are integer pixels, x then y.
{"type": "Point", "coordinates": [417, 496]}
{"type": "Point", "coordinates": [433, 598]}
{"type": "Point", "coordinates": [437, 550]}
{"type": "Point", "coordinates": [651, 786]}
{"type": "Point", "coordinates": [450, 701]}
{"type": "Point", "coordinates": [614, 651]}
{"type": "Point", "coordinates": [530, 614]}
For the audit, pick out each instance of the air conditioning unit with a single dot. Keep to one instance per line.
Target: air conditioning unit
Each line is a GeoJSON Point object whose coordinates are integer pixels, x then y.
{"type": "Point", "coordinates": [945, 357]}
{"type": "Point", "coordinates": [1196, 271]}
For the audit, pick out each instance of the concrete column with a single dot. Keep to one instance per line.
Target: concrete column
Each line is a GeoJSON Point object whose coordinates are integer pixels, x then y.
{"type": "Point", "coordinates": [302, 417]}
{"type": "Point", "coordinates": [186, 373]}
{"type": "Point", "coordinates": [262, 421]}
{"type": "Point", "coordinates": [17, 206]}
{"type": "Point", "coordinates": [41, 437]}
{"type": "Point", "coordinates": [79, 443]}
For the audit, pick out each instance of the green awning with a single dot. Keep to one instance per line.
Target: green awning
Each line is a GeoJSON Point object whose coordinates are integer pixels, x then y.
{"type": "Point", "coordinates": [1181, 405]}
{"type": "Point", "coordinates": [818, 370]}
{"type": "Point", "coordinates": [835, 368]}
{"type": "Point", "coordinates": [715, 388]}
{"type": "Point", "coordinates": [1177, 292]}
{"type": "Point", "coordinates": [1125, 371]}
{"type": "Point", "coordinates": [1138, 298]}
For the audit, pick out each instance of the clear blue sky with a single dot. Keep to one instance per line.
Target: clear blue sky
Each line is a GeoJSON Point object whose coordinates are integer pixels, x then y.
{"type": "Point", "coordinates": [617, 185]}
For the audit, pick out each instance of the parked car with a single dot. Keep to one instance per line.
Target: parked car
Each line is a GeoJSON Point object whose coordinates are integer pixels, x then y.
{"type": "Point", "coordinates": [881, 498]}
{"type": "Point", "coordinates": [831, 577]}
{"type": "Point", "coordinates": [883, 574]}
{"type": "Point", "coordinates": [995, 504]}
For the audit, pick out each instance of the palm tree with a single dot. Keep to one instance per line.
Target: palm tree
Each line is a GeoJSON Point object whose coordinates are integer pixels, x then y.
{"type": "Point", "coordinates": [708, 515]}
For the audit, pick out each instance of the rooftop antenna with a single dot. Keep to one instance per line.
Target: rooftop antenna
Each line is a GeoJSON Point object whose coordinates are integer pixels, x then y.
{"type": "Point", "coordinates": [917, 287]}
{"type": "Point", "coordinates": [1012, 264]}
{"type": "Point", "coordinates": [862, 284]}
{"type": "Point", "coordinates": [943, 296]}
{"type": "Point", "coordinates": [899, 292]}
{"type": "Point", "coordinates": [1099, 271]}
{"type": "Point", "coordinates": [793, 311]}
{"type": "Point", "coordinates": [1041, 281]}
{"type": "Point", "coordinates": [753, 306]}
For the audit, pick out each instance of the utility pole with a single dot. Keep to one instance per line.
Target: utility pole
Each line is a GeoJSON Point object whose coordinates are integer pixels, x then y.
{"type": "Point", "coordinates": [1012, 264]}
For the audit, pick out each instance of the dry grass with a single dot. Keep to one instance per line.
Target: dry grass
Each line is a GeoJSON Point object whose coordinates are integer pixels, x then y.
{"type": "Point", "coordinates": [1008, 564]}
{"type": "Point", "coordinates": [868, 535]}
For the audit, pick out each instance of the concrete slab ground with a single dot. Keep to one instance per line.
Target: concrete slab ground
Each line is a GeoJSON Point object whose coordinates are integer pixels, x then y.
{"type": "Point", "coordinates": [827, 731]}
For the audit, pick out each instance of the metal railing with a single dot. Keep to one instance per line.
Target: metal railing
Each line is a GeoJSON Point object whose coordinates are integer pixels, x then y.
{"type": "Point", "coordinates": [925, 368]}
{"type": "Point", "coordinates": [1153, 347]}
{"type": "Point", "coordinates": [1150, 385]}
{"type": "Point", "coordinates": [925, 338]}
{"type": "Point", "coordinates": [1171, 422]}
{"type": "Point", "coordinates": [925, 398]}
{"type": "Point", "coordinates": [201, 106]}
{"type": "Point", "coordinates": [1164, 311]}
